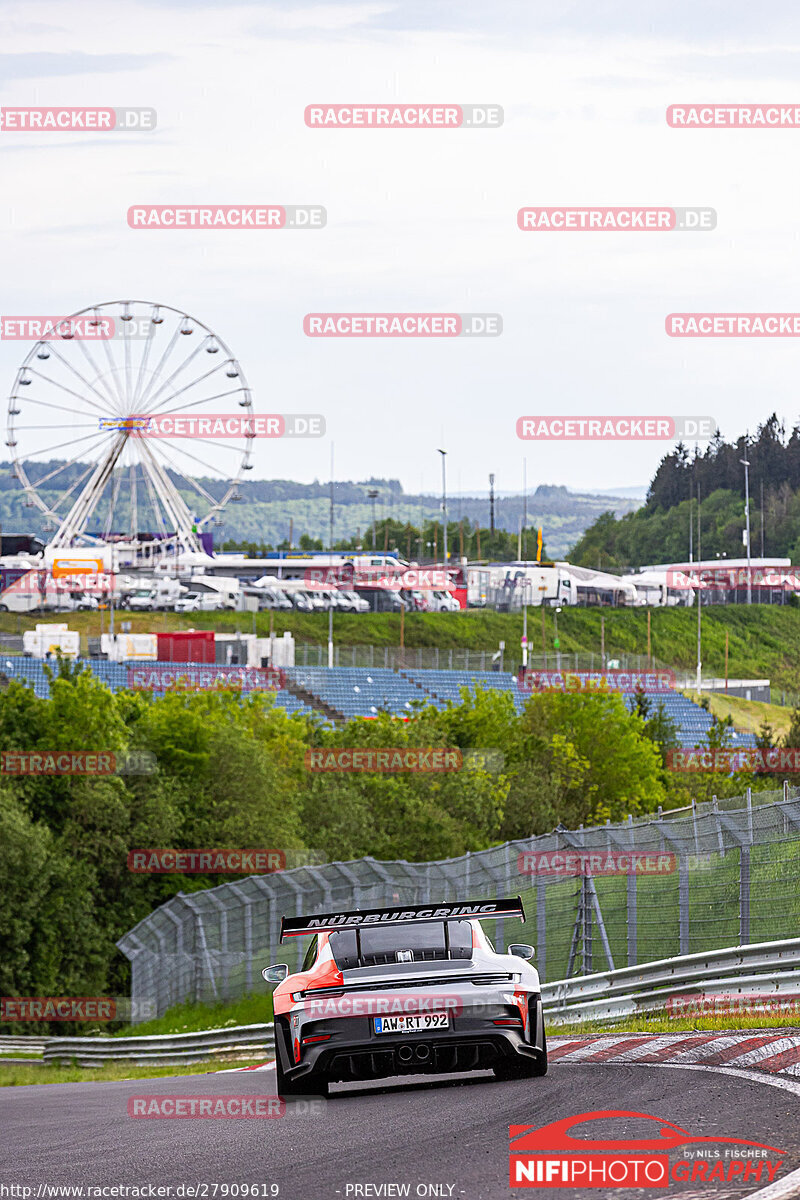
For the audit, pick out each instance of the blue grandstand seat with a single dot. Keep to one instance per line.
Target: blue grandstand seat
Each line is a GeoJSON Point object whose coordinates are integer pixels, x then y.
{"type": "Point", "coordinates": [364, 692]}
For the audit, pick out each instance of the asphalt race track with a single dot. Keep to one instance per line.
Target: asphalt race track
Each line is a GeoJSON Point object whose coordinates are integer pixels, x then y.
{"type": "Point", "coordinates": [451, 1132]}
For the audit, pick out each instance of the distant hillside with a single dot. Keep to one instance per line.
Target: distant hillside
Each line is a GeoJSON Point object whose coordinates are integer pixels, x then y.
{"type": "Point", "coordinates": [659, 531]}
{"type": "Point", "coordinates": [269, 505]}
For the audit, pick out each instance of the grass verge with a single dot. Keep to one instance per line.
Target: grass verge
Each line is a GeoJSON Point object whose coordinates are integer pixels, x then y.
{"type": "Point", "coordinates": [661, 1023]}
{"type": "Point", "coordinates": [255, 1009]}
{"type": "Point", "coordinates": [20, 1075]}
{"type": "Point", "coordinates": [748, 714]}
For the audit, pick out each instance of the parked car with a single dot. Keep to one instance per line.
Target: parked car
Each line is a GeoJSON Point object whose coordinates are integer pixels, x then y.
{"type": "Point", "coordinates": [142, 600]}
{"type": "Point", "coordinates": [302, 601]}
{"type": "Point", "coordinates": [85, 602]}
{"type": "Point", "coordinates": [349, 602]}
{"type": "Point", "coordinates": [384, 600]}
{"type": "Point", "coordinates": [200, 602]}
{"type": "Point", "coordinates": [444, 602]}
{"type": "Point", "coordinates": [412, 600]}
{"type": "Point", "coordinates": [358, 603]}
{"type": "Point", "coordinates": [284, 601]}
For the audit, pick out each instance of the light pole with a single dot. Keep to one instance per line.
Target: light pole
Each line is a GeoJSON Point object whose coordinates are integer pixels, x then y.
{"type": "Point", "coordinates": [556, 643]}
{"type": "Point", "coordinates": [444, 503]}
{"type": "Point", "coordinates": [526, 584]}
{"type": "Point", "coordinates": [745, 463]}
{"type": "Point", "coordinates": [330, 636]}
{"type": "Point", "coordinates": [373, 495]}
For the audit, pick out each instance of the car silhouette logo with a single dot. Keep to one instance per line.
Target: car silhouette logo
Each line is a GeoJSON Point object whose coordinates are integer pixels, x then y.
{"type": "Point", "coordinates": [556, 1136]}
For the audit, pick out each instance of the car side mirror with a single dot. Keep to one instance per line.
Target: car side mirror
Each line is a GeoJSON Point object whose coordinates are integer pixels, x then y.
{"type": "Point", "coordinates": [522, 950]}
{"type": "Point", "coordinates": [276, 973]}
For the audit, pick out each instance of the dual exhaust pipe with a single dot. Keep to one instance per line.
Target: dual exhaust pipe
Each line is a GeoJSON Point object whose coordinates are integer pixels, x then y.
{"type": "Point", "coordinates": [407, 1054]}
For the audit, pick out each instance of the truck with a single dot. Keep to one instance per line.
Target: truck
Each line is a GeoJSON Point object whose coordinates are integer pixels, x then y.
{"type": "Point", "coordinates": [512, 586]}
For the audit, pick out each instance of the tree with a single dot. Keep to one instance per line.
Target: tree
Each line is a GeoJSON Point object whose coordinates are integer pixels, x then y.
{"type": "Point", "coordinates": [593, 759]}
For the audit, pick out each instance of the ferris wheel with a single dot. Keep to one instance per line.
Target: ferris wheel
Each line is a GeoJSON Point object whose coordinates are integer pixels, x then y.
{"type": "Point", "coordinates": [77, 409]}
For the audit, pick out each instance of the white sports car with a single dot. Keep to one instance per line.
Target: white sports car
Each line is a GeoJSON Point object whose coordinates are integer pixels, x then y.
{"type": "Point", "coordinates": [405, 990]}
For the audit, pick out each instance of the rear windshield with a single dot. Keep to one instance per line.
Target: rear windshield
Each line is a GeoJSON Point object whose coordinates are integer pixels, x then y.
{"type": "Point", "coordinates": [425, 942]}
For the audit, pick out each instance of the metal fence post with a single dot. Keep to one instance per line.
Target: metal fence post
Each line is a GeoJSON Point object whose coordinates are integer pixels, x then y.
{"type": "Point", "coordinates": [586, 902]}
{"type": "Point", "coordinates": [744, 895]}
{"type": "Point", "coordinates": [683, 903]}
{"type": "Point", "coordinates": [541, 926]}
{"type": "Point", "coordinates": [631, 916]}
{"type": "Point", "coordinates": [720, 839]}
{"type": "Point", "coordinates": [205, 954]}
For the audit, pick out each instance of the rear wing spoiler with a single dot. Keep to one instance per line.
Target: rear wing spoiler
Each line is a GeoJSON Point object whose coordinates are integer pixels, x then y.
{"type": "Point", "coordinates": [401, 914]}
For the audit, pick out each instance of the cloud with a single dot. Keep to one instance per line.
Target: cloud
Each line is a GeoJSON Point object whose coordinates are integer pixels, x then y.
{"type": "Point", "coordinates": [46, 64]}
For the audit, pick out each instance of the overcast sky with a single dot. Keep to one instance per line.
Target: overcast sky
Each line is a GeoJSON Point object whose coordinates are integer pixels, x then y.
{"type": "Point", "coordinates": [422, 220]}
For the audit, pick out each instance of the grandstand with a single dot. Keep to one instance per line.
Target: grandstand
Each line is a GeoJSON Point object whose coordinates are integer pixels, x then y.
{"type": "Point", "coordinates": [340, 693]}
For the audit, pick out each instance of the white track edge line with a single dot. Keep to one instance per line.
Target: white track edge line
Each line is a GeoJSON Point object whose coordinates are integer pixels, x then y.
{"type": "Point", "coordinates": [782, 1189]}
{"type": "Point", "coordinates": [238, 1070]}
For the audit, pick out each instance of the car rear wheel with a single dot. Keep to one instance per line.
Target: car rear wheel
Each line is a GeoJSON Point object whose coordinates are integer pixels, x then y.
{"type": "Point", "coordinates": [311, 1085]}
{"type": "Point", "coordinates": [524, 1068]}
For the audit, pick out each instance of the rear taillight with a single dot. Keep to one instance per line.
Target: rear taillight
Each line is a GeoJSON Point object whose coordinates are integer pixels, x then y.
{"type": "Point", "coordinates": [320, 1037]}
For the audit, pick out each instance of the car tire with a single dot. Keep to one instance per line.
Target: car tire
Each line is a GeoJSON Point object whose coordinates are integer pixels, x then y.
{"type": "Point", "coordinates": [523, 1068]}
{"type": "Point", "coordinates": [311, 1085]}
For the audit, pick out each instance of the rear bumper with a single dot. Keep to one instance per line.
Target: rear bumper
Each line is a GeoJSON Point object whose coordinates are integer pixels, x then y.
{"type": "Point", "coordinates": [354, 1051]}
{"type": "Point", "coordinates": [421, 1055]}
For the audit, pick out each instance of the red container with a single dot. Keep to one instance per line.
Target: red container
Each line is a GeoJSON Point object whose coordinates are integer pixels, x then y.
{"type": "Point", "coordinates": [193, 645]}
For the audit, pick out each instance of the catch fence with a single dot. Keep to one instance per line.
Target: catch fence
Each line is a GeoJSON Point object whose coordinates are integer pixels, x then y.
{"type": "Point", "coordinates": [711, 876]}
{"type": "Point", "coordinates": [449, 658]}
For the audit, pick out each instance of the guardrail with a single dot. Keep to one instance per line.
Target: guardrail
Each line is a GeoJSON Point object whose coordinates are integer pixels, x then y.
{"type": "Point", "coordinates": [771, 968]}
{"type": "Point", "coordinates": [32, 1045]}
{"type": "Point", "coordinates": [243, 1041]}
{"type": "Point", "coordinates": [613, 995]}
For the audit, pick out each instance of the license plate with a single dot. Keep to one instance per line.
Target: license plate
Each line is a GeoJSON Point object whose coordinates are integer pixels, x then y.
{"type": "Point", "coordinates": [412, 1022]}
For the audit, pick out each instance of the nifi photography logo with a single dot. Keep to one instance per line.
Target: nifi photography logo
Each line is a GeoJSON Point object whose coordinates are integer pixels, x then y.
{"type": "Point", "coordinates": [551, 1157]}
